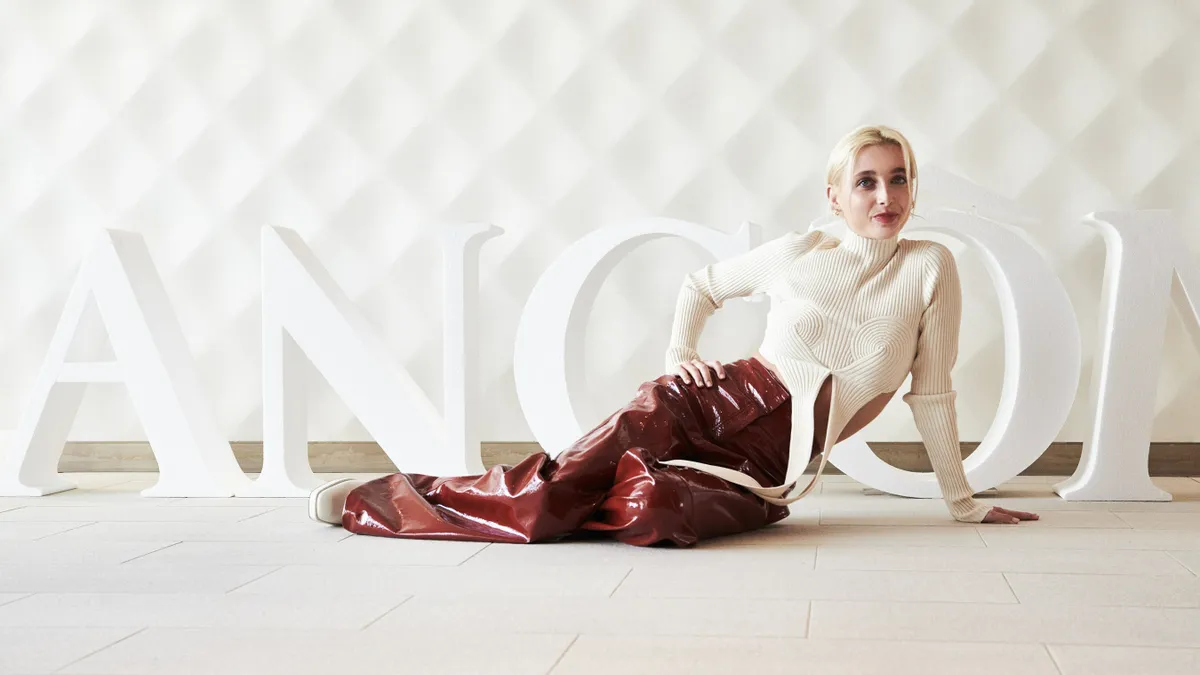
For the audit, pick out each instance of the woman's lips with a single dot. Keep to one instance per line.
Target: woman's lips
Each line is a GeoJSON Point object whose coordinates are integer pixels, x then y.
{"type": "Point", "coordinates": [885, 218]}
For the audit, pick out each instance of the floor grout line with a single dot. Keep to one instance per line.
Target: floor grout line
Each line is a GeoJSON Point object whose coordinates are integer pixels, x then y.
{"type": "Point", "coordinates": [161, 548]}
{"type": "Point", "coordinates": [270, 510]}
{"type": "Point", "coordinates": [69, 529]}
{"type": "Point", "coordinates": [262, 576]}
{"type": "Point", "coordinates": [20, 596]}
{"type": "Point", "coordinates": [614, 590]}
{"type": "Point", "coordinates": [1182, 564]}
{"type": "Point", "coordinates": [1008, 582]}
{"type": "Point", "coordinates": [563, 654]}
{"type": "Point", "coordinates": [1057, 665]}
{"type": "Point", "coordinates": [464, 560]}
{"type": "Point", "coordinates": [376, 619]}
{"type": "Point", "coordinates": [93, 653]}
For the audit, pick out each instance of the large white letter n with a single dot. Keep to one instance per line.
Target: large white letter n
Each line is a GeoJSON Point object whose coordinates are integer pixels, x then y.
{"type": "Point", "coordinates": [307, 319]}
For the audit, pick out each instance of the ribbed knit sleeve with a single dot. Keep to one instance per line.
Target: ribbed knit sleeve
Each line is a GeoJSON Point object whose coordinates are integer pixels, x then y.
{"type": "Point", "coordinates": [932, 394]}
{"type": "Point", "coordinates": [706, 290]}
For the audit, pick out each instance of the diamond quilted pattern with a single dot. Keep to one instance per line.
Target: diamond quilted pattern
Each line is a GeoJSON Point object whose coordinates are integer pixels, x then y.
{"type": "Point", "coordinates": [368, 125]}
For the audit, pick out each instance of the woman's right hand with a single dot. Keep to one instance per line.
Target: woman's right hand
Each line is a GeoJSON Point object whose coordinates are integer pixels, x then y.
{"type": "Point", "coordinates": [698, 371]}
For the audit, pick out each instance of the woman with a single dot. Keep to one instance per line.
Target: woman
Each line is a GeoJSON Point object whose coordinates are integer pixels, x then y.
{"type": "Point", "coordinates": [710, 448]}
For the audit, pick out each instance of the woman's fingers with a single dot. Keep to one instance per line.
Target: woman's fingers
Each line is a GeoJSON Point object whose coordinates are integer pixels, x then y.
{"type": "Point", "coordinates": [1020, 515]}
{"type": "Point", "coordinates": [686, 372]}
{"type": "Point", "coordinates": [716, 365]}
{"type": "Point", "coordinates": [698, 371]}
{"type": "Point", "coordinates": [998, 515]}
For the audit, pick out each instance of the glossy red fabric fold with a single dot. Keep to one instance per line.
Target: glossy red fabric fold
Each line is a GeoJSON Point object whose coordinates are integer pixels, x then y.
{"type": "Point", "coordinates": [611, 479]}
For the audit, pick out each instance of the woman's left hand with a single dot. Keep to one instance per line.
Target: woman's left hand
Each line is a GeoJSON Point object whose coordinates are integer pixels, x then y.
{"type": "Point", "coordinates": [1007, 516]}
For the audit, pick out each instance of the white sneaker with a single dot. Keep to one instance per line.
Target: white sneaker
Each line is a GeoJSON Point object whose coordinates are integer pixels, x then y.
{"type": "Point", "coordinates": [325, 503]}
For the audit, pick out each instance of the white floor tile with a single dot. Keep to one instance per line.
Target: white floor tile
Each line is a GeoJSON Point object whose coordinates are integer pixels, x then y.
{"type": "Point", "coordinates": [44, 650]}
{"type": "Point", "coordinates": [6, 598]}
{"type": "Point", "coordinates": [894, 585]}
{"type": "Point", "coordinates": [611, 616]}
{"type": "Point", "coordinates": [958, 535]}
{"type": "Point", "coordinates": [81, 552]}
{"type": "Point", "coordinates": [1089, 660]}
{"type": "Point", "coordinates": [1186, 498]}
{"type": "Point", "coordinates": [224, 514]}
{"type": "Point", "coordinates": [248, 530]}
{"type": "Point", "coordinates": [614, 553]}
{"type": "Point", "coordinates": [98, 479]}
{"type": "Point", "coordinates": [1161, 521]}
{"type": "Point", "coordinates": [60, 578]}
{"type": "Point", "coordinates": [196, 610]}
{"type": "Point", "coordinates": [262, 652]}
{"type": "Point", "coordinates": [999, 560]}
{"type": "Point", "coordinates": [265, 502]}
{"type": "Point", "coordinates": [114, 496]}
{"type": "Point", "coordinates": [756, 581]}
{"type": "Point", "coordinates": [351, 551]}
{"type": "Point", "coordinates": [1042, 505]}
{"type": "Point", "coordinates": [1178, 485]}
{"type": "Point", "coordinates": [1109, 540]}
{"type": "Point", "coordinates": [639, 655]}
{"type": "Point", "coordinates": [32, 531]}
{"type": "Point", "coordinates": [291, 514]}
{"type": "Point", "coordinates": [1189, 559]}
{"type": "Point", "coordinates": [1099, 519]}
{"type": "Point", "coordinates": [459, 581]}
{"type": "Point", "coordinates": [794, 530]}
{"type": "Point", "coordinates": [963, 622]}
{"type": "Point", "coordinates": [1107, 589]}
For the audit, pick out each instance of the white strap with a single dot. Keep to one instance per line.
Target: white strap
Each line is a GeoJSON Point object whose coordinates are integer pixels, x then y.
{"type": "Point", "coordinates": [798, 460]}
{"type": "Point", "coordinates": [774, 495]}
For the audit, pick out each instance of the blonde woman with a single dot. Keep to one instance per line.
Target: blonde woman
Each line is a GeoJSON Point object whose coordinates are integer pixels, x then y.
{"type": "Point", "coordinates": [709, 448]}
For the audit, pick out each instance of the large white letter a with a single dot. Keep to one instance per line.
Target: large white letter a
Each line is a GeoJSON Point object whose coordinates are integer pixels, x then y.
{"type": "Point", "coordinates": [152, 359]}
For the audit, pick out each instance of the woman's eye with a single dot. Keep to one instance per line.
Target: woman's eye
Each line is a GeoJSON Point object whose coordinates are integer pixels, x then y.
{"type": "Point", "coordinates": [866, 183]}
{"type": "Point", "coordinates": [899, 180]}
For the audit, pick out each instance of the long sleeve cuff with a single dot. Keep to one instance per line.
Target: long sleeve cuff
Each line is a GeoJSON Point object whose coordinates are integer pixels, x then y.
{"type": "Point", "coordinates": [678, 355]}
{"type": "Point", "coordinates": [937, 421]}
{"type": "Point", "coordinates": [692, 310]}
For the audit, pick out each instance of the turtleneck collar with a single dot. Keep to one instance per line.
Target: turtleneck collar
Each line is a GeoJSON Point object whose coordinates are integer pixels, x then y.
{"type": "Point", "coordinates": [872, 251]}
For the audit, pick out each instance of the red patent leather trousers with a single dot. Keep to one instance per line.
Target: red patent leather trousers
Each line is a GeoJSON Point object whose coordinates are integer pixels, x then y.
{"type": "Point", "coordinates": [611, 479]}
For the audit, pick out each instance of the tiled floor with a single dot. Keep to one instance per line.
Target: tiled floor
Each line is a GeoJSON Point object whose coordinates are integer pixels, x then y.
{"type": "Point", "coordinates": [101, 580]}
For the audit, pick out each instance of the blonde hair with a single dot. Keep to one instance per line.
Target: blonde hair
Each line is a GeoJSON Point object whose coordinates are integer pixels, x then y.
{"type": "Point", "coordinates": [852, 143]}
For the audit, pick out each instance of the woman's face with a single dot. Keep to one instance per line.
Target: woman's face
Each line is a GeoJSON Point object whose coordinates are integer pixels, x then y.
{"type": "Point", "coordinates": [873, 195]}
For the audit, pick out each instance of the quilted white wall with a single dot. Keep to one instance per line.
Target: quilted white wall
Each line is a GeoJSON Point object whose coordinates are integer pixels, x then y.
{"type": "Point", "coordinates": [367, 125]}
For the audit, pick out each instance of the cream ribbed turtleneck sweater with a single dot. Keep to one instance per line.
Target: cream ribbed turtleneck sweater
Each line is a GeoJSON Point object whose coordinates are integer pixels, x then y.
{"type": "Point", "coordinates": [865, 312]}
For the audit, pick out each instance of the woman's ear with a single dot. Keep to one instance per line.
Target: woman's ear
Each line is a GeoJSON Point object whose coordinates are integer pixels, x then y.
{"type": "Point", "coordinates": [833, 200]}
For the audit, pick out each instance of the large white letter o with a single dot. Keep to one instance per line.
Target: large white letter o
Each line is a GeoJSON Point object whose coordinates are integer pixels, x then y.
{"type": "Point", "coordinates": [548, 358]}
{"type": "Point", "coordinates": [1042, 360]}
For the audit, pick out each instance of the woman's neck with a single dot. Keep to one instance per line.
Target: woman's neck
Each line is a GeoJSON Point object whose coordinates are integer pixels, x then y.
{"type": "Point", "coordinates": [870, 251]}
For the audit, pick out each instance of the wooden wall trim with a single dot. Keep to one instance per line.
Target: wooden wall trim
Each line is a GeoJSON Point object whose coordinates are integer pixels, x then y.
{"type": "Point", "coordinates": [1060, 459]}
